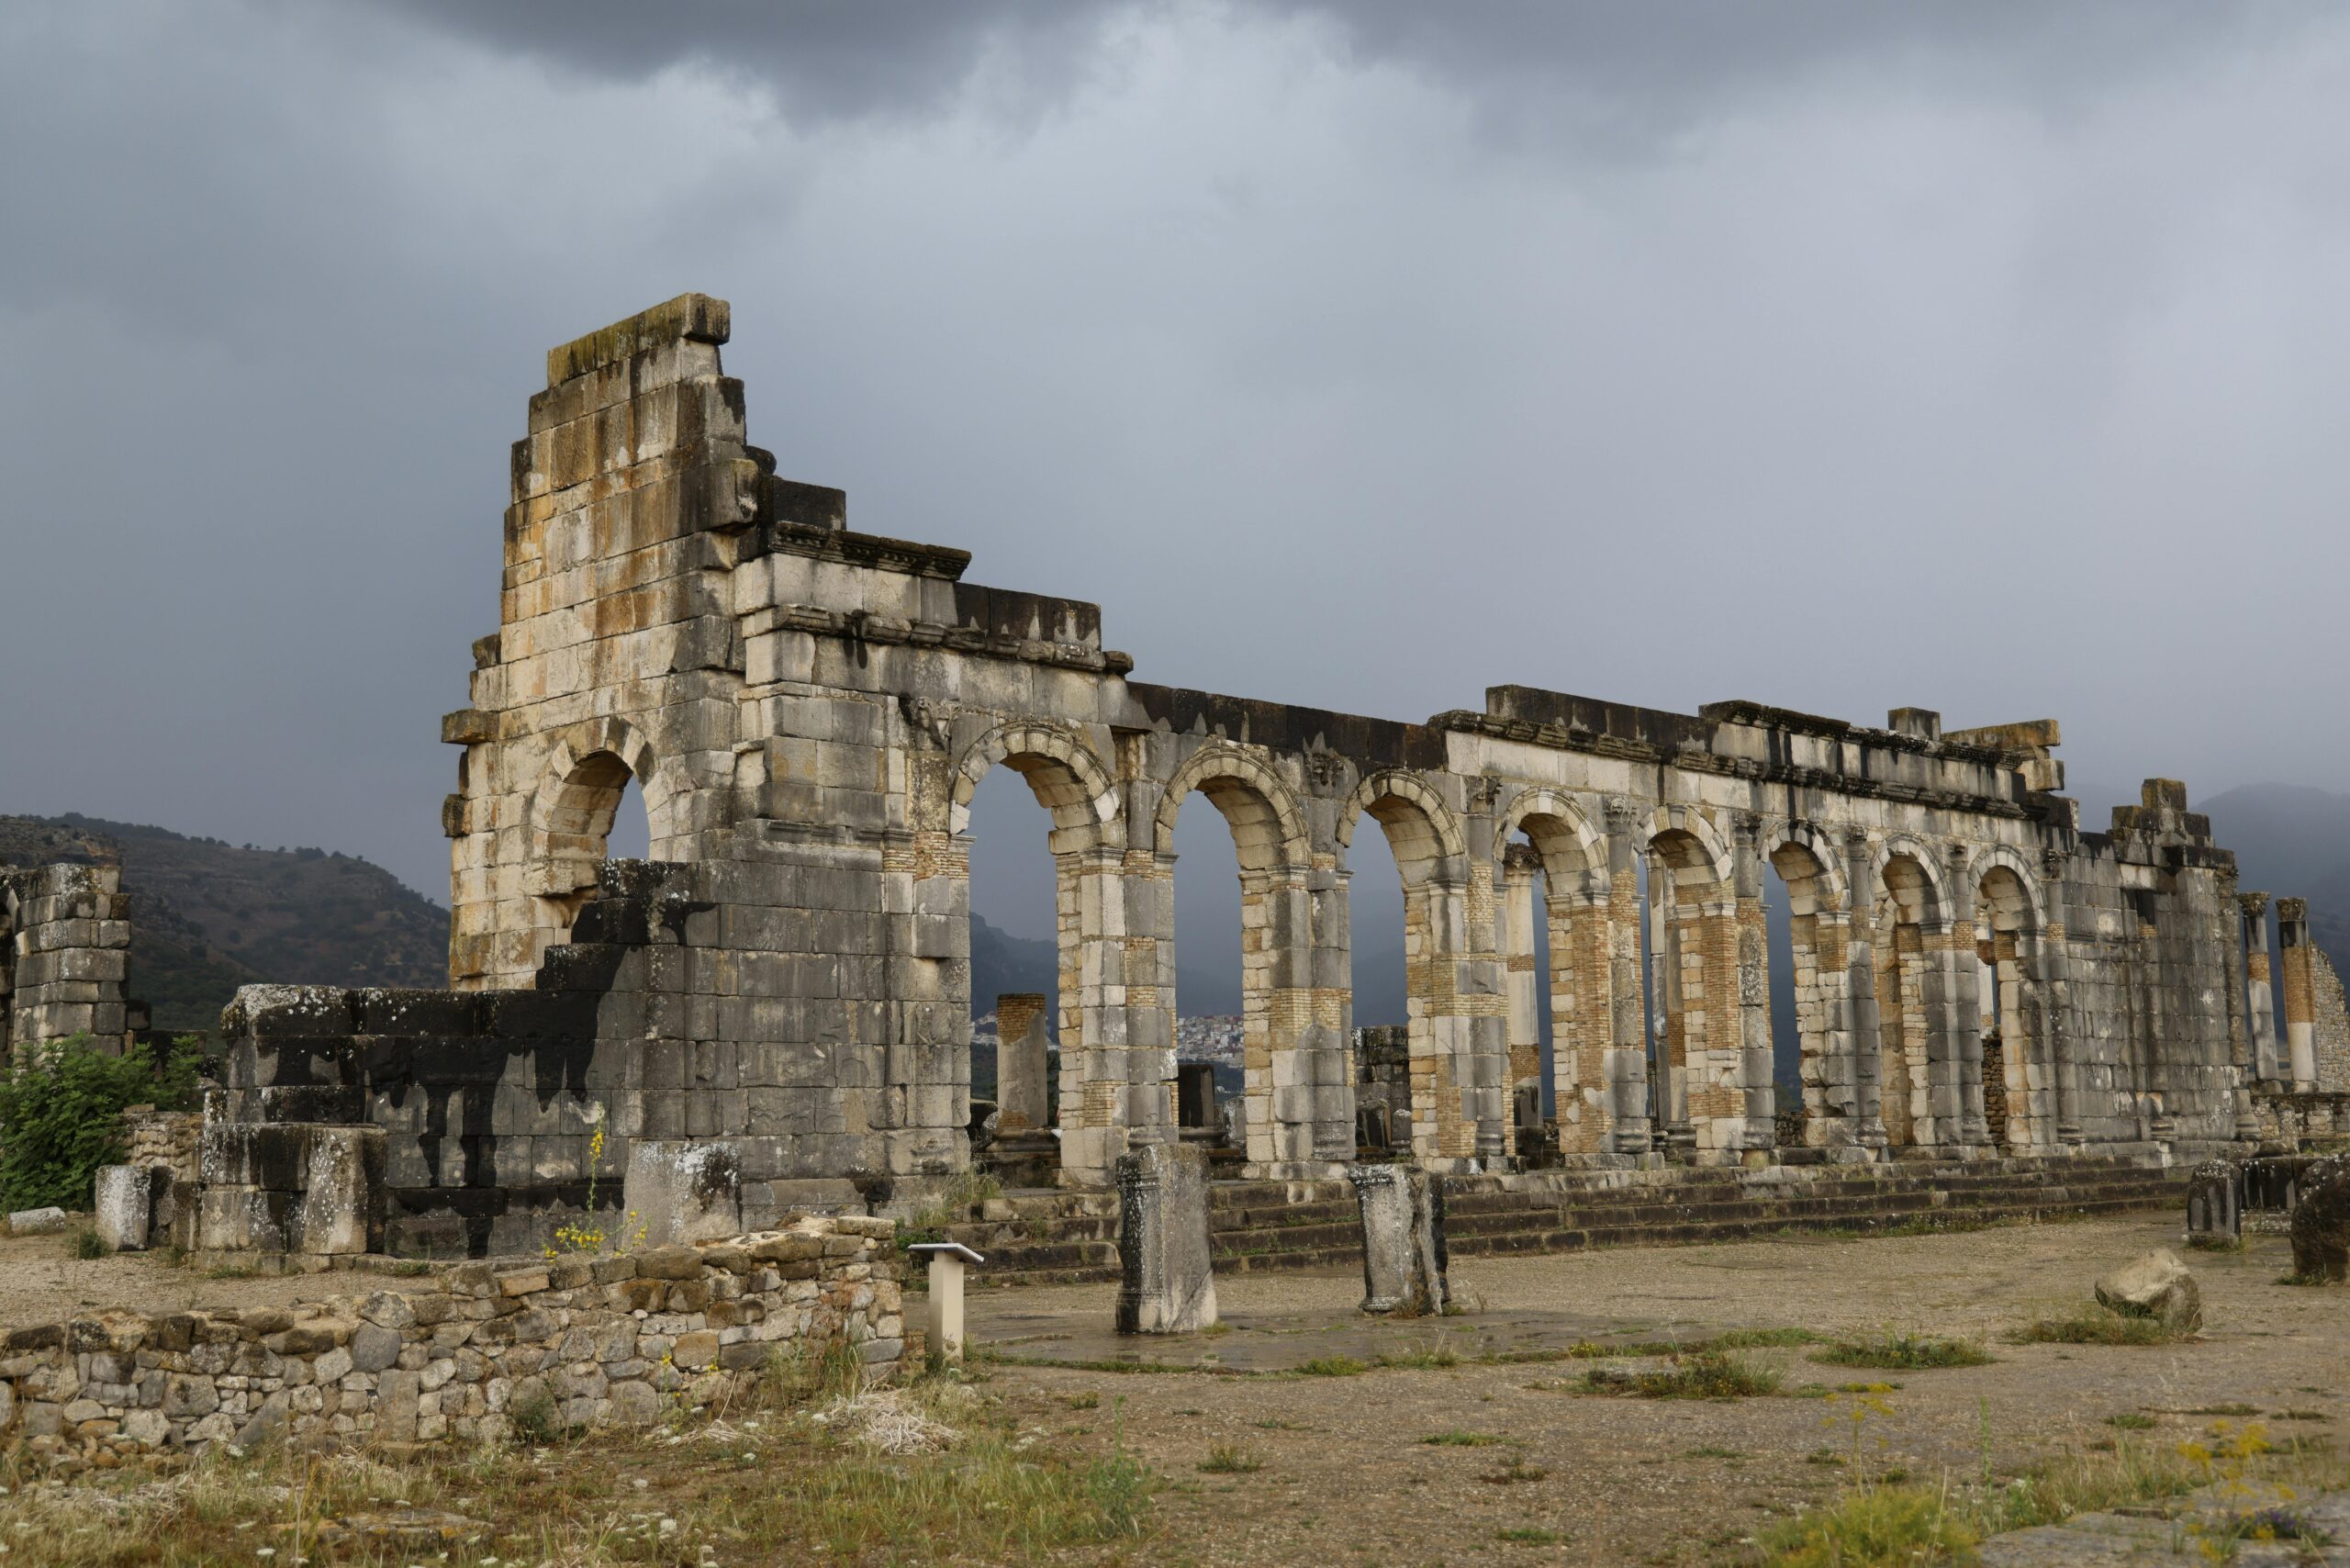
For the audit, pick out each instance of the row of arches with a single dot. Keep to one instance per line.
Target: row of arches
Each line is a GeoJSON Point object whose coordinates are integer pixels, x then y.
{"type": "Point", "coordinates": [1613, 964]}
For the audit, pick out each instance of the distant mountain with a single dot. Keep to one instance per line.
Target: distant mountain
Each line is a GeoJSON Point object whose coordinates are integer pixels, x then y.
{"type": "Point", "coordinates": [209, 916]}
{"type": "Point", "coordinates": [1003, 963]}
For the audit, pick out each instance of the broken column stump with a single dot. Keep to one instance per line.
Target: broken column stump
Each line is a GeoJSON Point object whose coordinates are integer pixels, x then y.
{"type": "Point", "coordinates": [1403, 1239]}
{"type": "Point", "coordinates": [1165, 1285]}
{"type": "Point", "coordinates": [126, 1208]}
{"type": "Point", "coordinates": [2214, 1207]}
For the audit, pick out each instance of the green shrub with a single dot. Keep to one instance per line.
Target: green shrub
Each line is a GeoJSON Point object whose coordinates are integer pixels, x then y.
{"type": "Point", "coordinates": [60, 1114]}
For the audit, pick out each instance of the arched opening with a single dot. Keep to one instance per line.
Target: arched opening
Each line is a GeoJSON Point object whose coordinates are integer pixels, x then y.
{"type": "Point", "coordinates": [1218, 1032]}
{"type": "Point", "coordinates": [1440, 1037]}
{"type": "Point", "coordinates": [1382, 1058]}
{"type": "Point", "coordinates": [2018, 1096]}
{"type": "Point", "coordinates": [1692, 959]}
{"type": "Point", "coordinates": [1905, 1000]}
{"type": "Point", "coordinates": [1285, 1052]}
{"type": "Point", "coordinates": [1015, 981]}
{"type": "Point", "coordinates": [597, 813]}
{"type": "Point", "coordinates": [1808, 1030]}
{"type": "Point", "coordinates": [1552, 930]}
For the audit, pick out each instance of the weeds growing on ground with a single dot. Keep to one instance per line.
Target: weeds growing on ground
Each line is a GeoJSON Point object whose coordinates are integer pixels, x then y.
{"type": "Point", "coordinates": [1903, 1352]}
{"type": "Point", "coordinates": [2090, 1324]}
{"type": "Point", "coordinates": [1225, 1458]}
{"type": "Point", "coordinates": [1699, 1374]}
{"type": "Point", "coordinates": [1332, 1366]}
{"type": "Point", "coordinates": [1461, 1439]}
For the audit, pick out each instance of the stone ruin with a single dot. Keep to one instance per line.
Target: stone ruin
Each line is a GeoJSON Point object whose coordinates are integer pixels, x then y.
{"type": "Point", "coordinates": [809, 710]}
{"type": "Point", "coordinates": [66, 955]}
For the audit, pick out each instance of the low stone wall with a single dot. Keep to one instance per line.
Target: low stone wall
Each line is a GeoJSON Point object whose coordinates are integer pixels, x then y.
{"type": "Point", "coordinates": [163, 1139]}
{"type": "Point", "coordinates": [575, 1340]}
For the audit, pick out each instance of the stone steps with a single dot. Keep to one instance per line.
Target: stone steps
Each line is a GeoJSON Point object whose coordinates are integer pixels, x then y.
{"type": "Point", "coordinates": [1259, 1225]}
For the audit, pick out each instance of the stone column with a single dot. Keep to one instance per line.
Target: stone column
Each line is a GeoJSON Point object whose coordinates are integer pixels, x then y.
{"type": "Point", "coordinates": [1831, 1095]}
{"type": "Point", "coordinates": [2057, 1003]}
{"type": "Point", "coordinates": [1668, 1006]}
{"type": "Point", "coordinates": [1023, 1051]}
{"type": "Point", "coordinates": [1277, 941]}
{"type": "Point", "coordinates": [1626, 1070]}
{"type": "Point", "coordinates": [1961, 978]}
{"type": "Point", "coordinates": [1860, 879]}
{"type": "Point", "coordinates": [1117, 1085]}
{"type": "Point", "coordinates": [2300, 991]}
{"type": "Point", "coordinates": [1403, 1239]}
{"type": "Point", "coordinates": [1330, 1045]}
{"type": "Point", "coordinates": [1757, 1073]}
{"type": "Point", "coordinates": [2260, 1002]}
{"type": "Point", "coordinates": [1516, 918]}
{"type": "Point", "coordinates": [1166, 1285]}
{"type": "Point", "coordinates": [2240, 1059]}
{"type": "Point", "coordinates": [1582, 1022]}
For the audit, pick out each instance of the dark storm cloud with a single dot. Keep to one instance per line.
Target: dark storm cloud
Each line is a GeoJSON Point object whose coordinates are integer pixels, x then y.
{"type": "Point", "coordinates": [1989, 358]}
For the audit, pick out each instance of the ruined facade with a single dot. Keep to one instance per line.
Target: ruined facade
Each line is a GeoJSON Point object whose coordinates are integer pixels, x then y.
{"type": "Point", "coordinates": [809, 710]}
{"type": "Point", "coordinates": [66, 955]}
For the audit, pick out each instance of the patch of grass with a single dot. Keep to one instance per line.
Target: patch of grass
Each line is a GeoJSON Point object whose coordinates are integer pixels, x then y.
{"type": "Point", "coordinates": [1332, 1366]}
{"type": "Point", "coordinates": [1277, 1424]}
{"type": "Point", "coordinates": [1225, 1458]}
{"type": "Point", "coordinates": [2207, 1243]}
{"type": "Point", "coordinates": [1703, 1375]}
{"type": "Point", "coordinates": [1514, 1472]}
{"type": "Point", "coordinates": [1088, 1400]}
{"type": "Point", "coordinates": [1751, 1339]}
{"type": "Point", "coordinates": [2234, 1408]}
{"type": "Point", "coordinates": [2303, 1416]}
{"type": "Point", "coordinates": [1709, 1450]}
{"type": "Point", "coordinates": [1903, 1352]}
{"type": "Point", "coordinates": [1216, 1330]}
{"type": "Point", "coordinates": [2129, 1421]}
{"type": "Point", "coordinates": [1870, 1525]}
{"type": "Point", "coordinates": [232, 1271]}
{"type": "Point", "coordinates": [1463, 1440]}
{"type": "Point", "coordinates": [2090, 1324]}
{"type": "Point", "coordinates": [1424, 1357]}
{"type": "Point", "coordinates": [1828, 1457]}
{"type": "Point", "coordinates": [1529, 1536]}
{"type": "Point", "coordinates": [2302, 1280]}
{"type": "Point", "coordinates": [87, 1244]}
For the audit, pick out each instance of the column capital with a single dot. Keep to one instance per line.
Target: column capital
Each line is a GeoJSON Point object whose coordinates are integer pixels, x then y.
{"type": "Point", "coordinates": [2254, 905]}
{"type": "Point", "coordinates": [1623, 815]}
{"type": "Point", "coordinates": [2053, 862]}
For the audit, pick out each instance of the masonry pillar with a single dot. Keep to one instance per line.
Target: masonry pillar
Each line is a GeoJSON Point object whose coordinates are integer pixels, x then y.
{"type": "Point", "coordinates": [1963, 1014]}
{"type": "Point", "coordinates": [2260, 1000]}
{"type": "Point", "coordinates": [1329, 1043]}
{"type": "Point", "coordinates": [1023, 1050]}
{"type": "Point", "coordinates": [2300, 992]}
{"type": "Point", "coordinates": [1625, 1074]}
{"type": "Point", "coordinates": [2056, 1002]}
{"type": "Point", "coordinates": [1668, 1007]}
{"type": "Point", "coordinates": [1516, 918]}
{"type": "Point", "coordinates": [1284, 1073]}
{"type": "Point", "coordinates": [1832, 1091]}
{"type": "Point", "coordinates": [1860, 879]}
{"type": "Point", "coordinates": [1751, 952]}
{"type": "Point", "coordinates": [2230, 936]}
{"type": "Point", "coordinates": [1116, 1090]}
{"type": "Point", "coordinates": [1582, 1022]}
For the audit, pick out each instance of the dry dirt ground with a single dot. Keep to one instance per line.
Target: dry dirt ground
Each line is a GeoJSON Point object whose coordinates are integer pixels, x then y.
{"type": "Point", "coordinates": [1349, 1478]}
{"type": "Point", "coordinates": [43, 1281]}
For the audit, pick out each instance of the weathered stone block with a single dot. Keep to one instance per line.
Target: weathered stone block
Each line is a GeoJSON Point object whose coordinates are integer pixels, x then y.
{"type": "Point", "coordinates": [1403, 1255]}
{"type": "Point", "coordinates": [1166, 1285]}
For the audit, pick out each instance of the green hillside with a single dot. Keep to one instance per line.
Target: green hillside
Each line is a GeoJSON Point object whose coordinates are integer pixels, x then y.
{"type": "Point", "coordinates": [209, 916]}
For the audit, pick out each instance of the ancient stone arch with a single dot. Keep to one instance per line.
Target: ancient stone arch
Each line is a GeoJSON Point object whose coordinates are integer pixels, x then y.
{"type": "Point", "coordinates": [1423, 832]}
{"type": "Point", "coordinates": [2019, 1065]}
{"type": "Point", "coordinates": [1267, 829]}
{"type": "Point", "coordinates": [1067, 779]}
{"type": "Point", "coordinates": [1574, 855]}
{"type": "Point", "coordinates": [587, 769]}
{"type": "Point", "coordinates": [1674, 829]}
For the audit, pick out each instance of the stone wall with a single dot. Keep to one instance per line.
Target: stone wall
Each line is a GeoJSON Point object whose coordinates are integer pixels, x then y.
{"type": "Point", "coordinates": [575, 1341]}
{"type": "Point", "coordinates": [809, 711]}
{"type": "Point", "coordinates": [66, 955]}
{"type": "Point", "coordinates": [165, 1140]}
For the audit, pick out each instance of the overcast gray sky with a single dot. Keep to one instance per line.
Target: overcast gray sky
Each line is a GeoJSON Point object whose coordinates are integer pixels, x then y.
{"type": "Point", "coordinates": [1994, 358]}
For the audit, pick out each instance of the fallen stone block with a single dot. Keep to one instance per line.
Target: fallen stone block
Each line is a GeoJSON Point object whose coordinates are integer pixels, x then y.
{"type": "Point", "coordinates": [2321, 1225]}
{"type": "Point", "coordinates": [2156, 1285]}
{"type": "Point", "coordinates": [37, 1222]}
